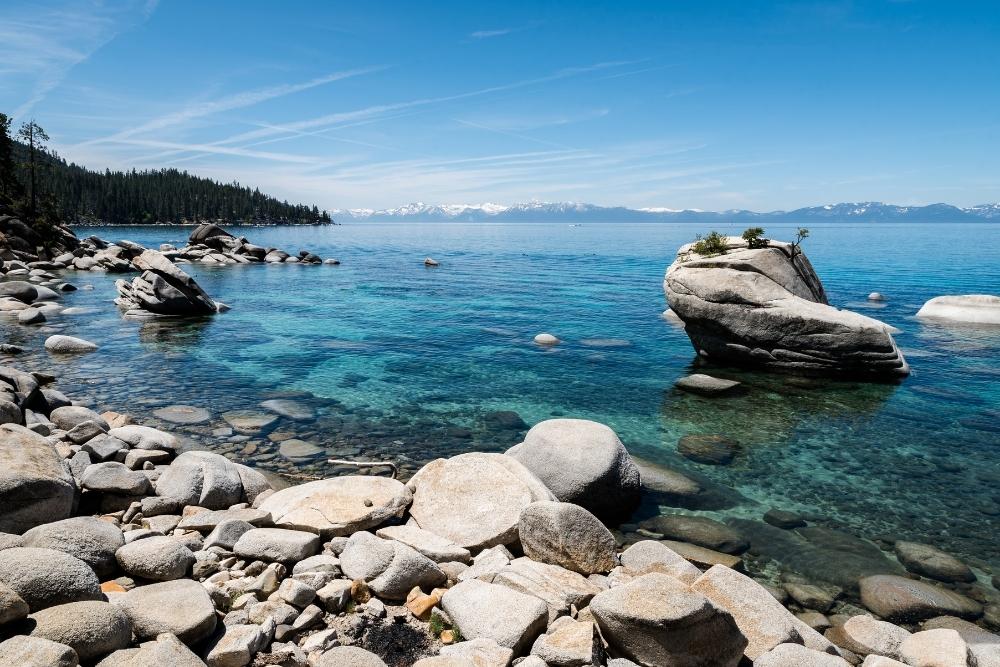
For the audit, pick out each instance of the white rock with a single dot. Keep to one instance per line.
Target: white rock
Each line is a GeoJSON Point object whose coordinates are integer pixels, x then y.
{"type": "Point", "coordinates": [490, 611]}
{"type": "Point", "coordinates": [546, 339]}
{"type": "Point", "coordinates": [968, 308]}
{"type": "Point", "coordinates": [59, 344]}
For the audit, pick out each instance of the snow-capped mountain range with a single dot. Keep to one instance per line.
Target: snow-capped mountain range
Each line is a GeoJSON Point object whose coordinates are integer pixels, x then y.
{"type": "Point", "coordinates": [579, 212]}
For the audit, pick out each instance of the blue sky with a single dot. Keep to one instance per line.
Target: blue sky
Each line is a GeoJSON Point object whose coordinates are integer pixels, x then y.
{"type": "Point", "coordinates": [711, 105]}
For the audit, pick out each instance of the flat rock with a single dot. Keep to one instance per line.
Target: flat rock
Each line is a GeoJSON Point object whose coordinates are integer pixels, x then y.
{"type": "Point", "coordinates": [901, 599]}
{"type": "Point", "coordinates": [236, 647]}
{"type": "Point", "coordinates": [69, 416]}
{"type": "Point", "coordinates": [657, 620]}
{"type": "Point", "coordinates": [941, 647]}
{"type": "Point", "coordinates": [931, 562]}
{"type": "Point", "coordinates": [35, 487]}
{"type": "Point", "coordinates": [181, 607]}
{"type": "Point", "coordinates": [59, 344]}
{"type": "Point", "coordinates": [167, 650]}
{"type": "Point", "coordinates": [183, 414]}
{"type": "Point", "coordinates": [651, 556]}
{"type": "Point", "coordinates": [26, 651]}
{"type": "Point", "coordinates": [437, 548]}
{"type": "Point", "coordinates": [864, 634]}
{"type": "Point", "coordinates": [582, 462]}
{"type": "Point", "coordinates": [46, 577]}
{"type": "Point", "coordinates": [568, 643]}
{"type": "Point", "coordinates": [701, 556]}
{"type": "Point", "coordinates": [339, 505]}
{"type": "Point", "coordinates": [480, 652]}
{"type": "Point", "coordinates": [88, 538]}
{"type": "Point", "coordinates": [390, 568]}
{"type": "Point", "coordinates": [481, 610]}
{"type": "Point", "coordinates": [715, 450]}
{"type": "Point", "coordinates": [349, 656]}
{"type": "Point", "coordinates": [289, 409]}
{"type": "Point", "coordinates": [796, 655]}
{"type": "Point", "coordinates": [566, 535]}
{"type": "Point", "coordinates": [145, 437]}
{"type": "Point", "coordinates": [966, 308]}
{"type": "Point", "coordinates": [300, 451]}
{"type": "Point", "coordinates": [156, 559]}
{"type": "Point", "coordinates": [559, 588]}
{"type": "Point", "coordinates": [662, 480]}
{"type": "Point", "coordinates": [114, 477]}
{"type": "Point", "coordinates": [699, 530]}
{"type": "Point", "coordinates": [91, 628]}
{"type": "Point", "coordinates": [210, 519]}
{"type": "Point", "coordinates": [706, 385]}
{"type": "Point", "coordinates": [491, 489]}
{"type": "Point", "coordinates": [249, 422]}
{"type": "Point", "coordinates": [277, 544]}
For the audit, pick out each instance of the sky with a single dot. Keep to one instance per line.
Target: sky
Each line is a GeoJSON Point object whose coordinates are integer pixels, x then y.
{"type": "Point", "coordinates": [710, 105]}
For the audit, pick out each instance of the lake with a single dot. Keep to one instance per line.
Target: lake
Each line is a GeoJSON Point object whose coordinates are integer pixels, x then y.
{"type": "Point", "coordinates": [410, 363]}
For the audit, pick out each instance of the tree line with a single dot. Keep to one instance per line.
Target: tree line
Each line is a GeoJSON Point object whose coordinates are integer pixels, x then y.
{"type": "Point", "coordinates": [43, 189]}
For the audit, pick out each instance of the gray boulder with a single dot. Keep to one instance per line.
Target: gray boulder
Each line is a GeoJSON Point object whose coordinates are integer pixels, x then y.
{"type": "Point", "coordinates": [474, 500]}
{"type": "Point", "coordinates": [155, 558]}
{"type": "Point", "coordinates": [276, 544]}
{"type": "Point", "coordinates": [162, 289]}
{"type": "Point", "coordinates": [88, 538]}
{"type": "Point", "coordinates": [165, 651]}
{"type": "Point", "coordinates": [391, 569]}
{"type": "Point", "coordinates": [566, 535]}
{"type": "Point", "coordinates": [35, 486]}
{"type": "Point", "coordinates": [46, 577]}
{"type": "Point", "coordinates": [582, 462]}
{"type": "Point", "coordinates": [60, 344]}
{"type": "Point", "coordinates": [114, 477]}
{"type": "Point", "coordinates": [437, 548]}
{"type": "Point", "coordinates": [767, 308]}
{"type": "Point", "coordinates": [339, 505]}
{"type": "Point", "coordinates": [25, 651]}
{"type": "Point", "coordinates": [181, 607]}
{"type": "Point", "coordinates": [201, 478]}
{"type": "Point", "coordinates": [91, 628]}
{"type": "Point", "coordinates": [560, 589]}
{"type": "Point", "coordinates": [508, 617]}
{"type": "Point", "coordinates": [12, 606]}
{"type": "Point", "coordinates": [796, 655]}
{"type": "Point", "coordinates": [349, 656]}
{"type": "Point", "coordinates": [649, 556]}
{"type": "Point", "coordinates": [145, 437]}
{"type": "Point", "coordinates": [901, 599]}
{"type": "Point", "coordinates": [70, 416]}
{"type": "Point", "coordinates": [929, 561]}
{"type": "Point", "coordinates": [655, 620]}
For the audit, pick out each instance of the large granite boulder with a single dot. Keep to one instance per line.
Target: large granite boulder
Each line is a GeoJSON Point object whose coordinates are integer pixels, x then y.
{"type": "Point", "coordinates": [965, 308]}
{"type": "Point", "coordinates": [567, 535]}
{"type": "Point", "coordinates": [35, 486]}
{"type": "Point", "coordinates": [481, 610]}
{"type": "Point", "coordinates": [474, 499]}
{"type": "Point", "coordinates": [46, 577]}
{"type": "Point", "coordinates": [338, 505]}
{"type": "Point", "coordinates": [582, 462]}
{"type": "Point", "coordinates": [766, 308]}
{"type": "Point", "coordinates": [899, 599]}
{"type": "Point", "coordinates": [88, 538]}
{"type": "Point", "coordinates": [208, 234]}
{"type": "Point", "coordinates": [658, 621]}
{"type": "Point", "coordinates": [162, 289]}
{"type": "Point", "coordinates": [91, 628]}
{"type": "Point", "coordinates": [181, 607]}
{"type": "Point", "coordinates": [390, 568]}
{"type": "Point", "coordinates": [203, 479]}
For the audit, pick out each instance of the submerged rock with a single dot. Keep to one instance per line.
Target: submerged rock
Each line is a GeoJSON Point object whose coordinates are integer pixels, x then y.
{"type": "Point", "coordinates": [706, 385]}
{"type": "Point", "coordinates": [901, 599]}
{"type": "Point", "coordinates": [967, 308]}
{"type": "Point", "coordinates": [767, 308]}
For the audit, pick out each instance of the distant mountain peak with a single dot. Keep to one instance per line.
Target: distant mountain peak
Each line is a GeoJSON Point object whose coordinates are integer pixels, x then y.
{"type": "Point", "coordinates": [538, 211]}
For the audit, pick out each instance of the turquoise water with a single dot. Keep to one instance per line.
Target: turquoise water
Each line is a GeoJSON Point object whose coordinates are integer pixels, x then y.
{"type": "Point", "coordinates": [409, 362]}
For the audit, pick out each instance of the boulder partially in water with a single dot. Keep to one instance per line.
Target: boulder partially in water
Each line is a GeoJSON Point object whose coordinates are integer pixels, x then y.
{"type": "Point", "coordinates": [766, 308]}
{"type": "Point", "coordinates": [965, 308]}
{"type": "Point", "coordinates": [162, 289]}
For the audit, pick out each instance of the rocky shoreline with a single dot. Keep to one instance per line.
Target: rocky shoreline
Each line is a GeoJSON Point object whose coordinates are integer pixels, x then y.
{"type": "Point", "coordinates": [121, 548]}
{"type": "Point", "coordinates": [120, 544]}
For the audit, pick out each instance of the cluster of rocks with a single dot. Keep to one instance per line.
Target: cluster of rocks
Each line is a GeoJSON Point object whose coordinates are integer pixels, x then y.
{"type": "Point", "coordinates": [118, 547]}
{"type": "Point", "coordinates": [766, 308]}
{"type": "Point", "coordinates": [210, 244]}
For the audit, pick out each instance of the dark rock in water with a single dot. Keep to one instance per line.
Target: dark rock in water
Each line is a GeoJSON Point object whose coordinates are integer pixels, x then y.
{"type": "Point", "coordinates": [900, 599]}
{"type": "Point", "coordinates": [766, 308]}
{"type": "Point", "coordinates": [708, 449]}
{"type": "Point", "coordinates": [20, 290]}
{"type": "Point", "coordinates": [163, 289]}
{"type": "Point", "coordinates": [784, 519]}
{"type": "Point", "coordinates": [931, 562]}
{"type": "Point", "coordinates": [699, 530]}
{"type": "Point", "coordinates": [706, 385]}
{"type": "Point", "coordinates": [203, 233]}
{"type": "Point", "coordinates": [819, 554]}
{"type": "Point", "coordinates": [504, 420]}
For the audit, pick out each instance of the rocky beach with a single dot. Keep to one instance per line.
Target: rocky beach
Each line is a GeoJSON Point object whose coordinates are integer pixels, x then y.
{"type": "Point", "coordinates": [177, 535]}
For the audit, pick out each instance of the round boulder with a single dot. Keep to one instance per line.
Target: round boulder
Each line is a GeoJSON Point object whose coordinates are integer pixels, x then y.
{"type": "Point", "coordinates": [73, 415]}
{"type": "Point", "coordinates": [86, 537]}
{"type": "Point", "coordinates": [391, 569]}
{"type": "Point", "coordinates": [566, 535]}
{"type": "Point", "coordinates": [68, 345]}
{"type": "Point", "coordinates": [582, 462]}
{"type": "Point", "coordinates": [931, 562]}
{"type": "Point", "coordinates": [156, 558]}
{"type": "Point", "coordinates": [339, 505]}
{"type": "Point", "coordinates": [201, 478]}
{"type": "Point", "coordinates": [657, 620]}
{"type": "Point", "coordinates": [91, 628]}
{"type": "Point", "coordinates": [46, 577]}
{"type": "Point", "coordinates": [180, 607]}
{"type": "Point", "coordinates": [27, 651]}
{"type": "Point", "coordinates": [899, 599]}
{"type": "Point", "coordinates": [474, 499]}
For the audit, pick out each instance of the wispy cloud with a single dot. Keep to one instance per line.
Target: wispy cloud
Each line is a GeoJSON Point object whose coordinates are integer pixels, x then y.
{"type": "Point", "coordinates": [230, 102]}
{"type": "Point", "coordinates": [40, 46]}
{"type": "Point", "coordinates": [500, 32]}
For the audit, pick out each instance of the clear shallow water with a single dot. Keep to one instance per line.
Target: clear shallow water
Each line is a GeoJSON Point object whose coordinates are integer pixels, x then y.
{"type": "Point", "coordinates": [409, 362]}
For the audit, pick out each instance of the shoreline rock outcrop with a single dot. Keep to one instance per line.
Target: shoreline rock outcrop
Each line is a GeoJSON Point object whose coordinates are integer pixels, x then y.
{"type": "Point", "coordinates": [766, 308]}
{"type": "Point", "coordinates": [162, 289]}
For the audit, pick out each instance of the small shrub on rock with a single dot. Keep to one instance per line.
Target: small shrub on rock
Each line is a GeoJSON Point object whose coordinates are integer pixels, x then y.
{"type": "Point", "coordinates": [712, 244]}
{"type": "Point", "coordinates": [754, 236]}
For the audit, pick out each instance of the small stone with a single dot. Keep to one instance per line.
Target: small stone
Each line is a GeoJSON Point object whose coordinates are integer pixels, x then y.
{"type": "Point", "coordinates": [183, 414]}
{"type": "Point", "coordinates": [546, 339]}
{"type": "Point", "coordinates": [706, 385]}
{"type": "Point", "coordinates": [783, 519]}
{"type": "Point", "coordinates": [155, 559]}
